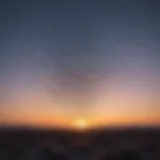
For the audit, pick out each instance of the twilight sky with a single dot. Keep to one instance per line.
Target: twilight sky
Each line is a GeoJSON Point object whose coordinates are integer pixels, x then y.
{"type": "Point", "coordinates": [68, 59]}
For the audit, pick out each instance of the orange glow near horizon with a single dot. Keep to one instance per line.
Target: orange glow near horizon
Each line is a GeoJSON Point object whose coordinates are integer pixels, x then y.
{"type": "Point", "coordinates": [79, 123]}
{"type": "Point", "coordinates": [117, 107]}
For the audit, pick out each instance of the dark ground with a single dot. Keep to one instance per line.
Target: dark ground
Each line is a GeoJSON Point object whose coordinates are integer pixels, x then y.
{"type": "Point", "coordinates": [104, 144]}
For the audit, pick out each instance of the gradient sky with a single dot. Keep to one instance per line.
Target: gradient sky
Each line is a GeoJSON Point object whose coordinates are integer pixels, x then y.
{"type": "Point", "coordinates": [68, 59]}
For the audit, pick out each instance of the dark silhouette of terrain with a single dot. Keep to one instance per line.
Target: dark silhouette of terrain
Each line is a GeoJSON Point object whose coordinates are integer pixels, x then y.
{"type": "Point", "coordinates": [102, 144]}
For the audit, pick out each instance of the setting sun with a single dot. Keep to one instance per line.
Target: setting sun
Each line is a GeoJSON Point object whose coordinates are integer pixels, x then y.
{"type": "Point", "coordinates": [81, 124]}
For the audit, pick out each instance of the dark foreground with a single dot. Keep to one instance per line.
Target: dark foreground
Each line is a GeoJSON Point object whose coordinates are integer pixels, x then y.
{"type": "Point", "coordinates": [115, 144]}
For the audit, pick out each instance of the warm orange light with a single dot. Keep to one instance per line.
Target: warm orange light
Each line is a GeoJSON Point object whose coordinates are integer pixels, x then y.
{"type": "Point", "coordinates": [81, 124]}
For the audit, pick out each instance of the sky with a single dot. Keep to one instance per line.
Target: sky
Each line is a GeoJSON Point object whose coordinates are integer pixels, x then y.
{"type": "Point", "coordinates": [64, 60]}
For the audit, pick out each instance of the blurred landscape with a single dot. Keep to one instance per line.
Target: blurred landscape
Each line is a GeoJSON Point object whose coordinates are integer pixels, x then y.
{"type": "Point", "coordinates": [77, 65]}
{"type": "Point", "coordinates": [98, 144]}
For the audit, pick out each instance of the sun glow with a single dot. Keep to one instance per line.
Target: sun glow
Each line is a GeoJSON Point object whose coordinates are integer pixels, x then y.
{"type": "Point", "coordinates": [81, 124]}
